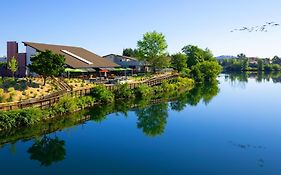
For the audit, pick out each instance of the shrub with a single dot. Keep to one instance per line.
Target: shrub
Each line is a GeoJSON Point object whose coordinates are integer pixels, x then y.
{"type": "Point", "coordinates": [101, 94]}
{"type": "Point", "coordinates": [143, 91]}
{"type": "Point", "coordinates": [66, 104]}
{"type": "Point", "coordinates": [1, 91]}
{"type": "Point", "coordinates": [123, 92]}
{"type": "Point", "coordinates": [11, 89]}
{"type": "Point", "coordinates": [22, 117]}
{"type": "Point", "coordinates": [85, 101]}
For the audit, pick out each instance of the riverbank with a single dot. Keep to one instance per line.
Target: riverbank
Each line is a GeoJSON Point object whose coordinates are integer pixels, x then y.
{"type": "Point", "coordinates": [99, 95]}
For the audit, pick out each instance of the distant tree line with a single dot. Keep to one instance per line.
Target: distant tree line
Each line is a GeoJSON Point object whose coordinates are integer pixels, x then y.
{"type": "Point", "coordinates": [243, 63]}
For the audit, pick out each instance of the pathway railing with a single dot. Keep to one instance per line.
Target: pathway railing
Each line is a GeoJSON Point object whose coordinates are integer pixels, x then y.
{"type": "Point", "coordinates": [51, 99]}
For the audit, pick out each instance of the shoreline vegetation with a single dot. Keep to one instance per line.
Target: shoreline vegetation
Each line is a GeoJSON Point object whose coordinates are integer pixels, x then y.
{"type": "Point", "coordinates": [195, 66]}
{"type": "Point", "coordinates": [99, 96]}
{"type": "Point", "coordinates": [143, 108]}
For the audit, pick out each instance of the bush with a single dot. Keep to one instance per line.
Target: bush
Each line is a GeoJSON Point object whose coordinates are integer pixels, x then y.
{"type": "Point", "coordinates": [22, 117]}
{"type": "Point", "coordinates": [101, 94]}
{"type": "Point", "coordinates": [11, 89]}
{"type": "Point", "coordinates": [85, 101]}
{"type": "Point", "coordinates": [143, 91]}
{"type": "Point", "coordinates": [123, 92]}
{"type": "Point", "coordinates": [66, 104]}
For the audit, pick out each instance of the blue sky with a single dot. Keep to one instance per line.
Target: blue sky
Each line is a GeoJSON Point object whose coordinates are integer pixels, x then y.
{"type": "Point", "coordinates": [108, 26]}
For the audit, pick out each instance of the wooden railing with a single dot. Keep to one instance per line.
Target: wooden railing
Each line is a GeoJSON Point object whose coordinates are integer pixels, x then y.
{"type": "Point", "coordinates": [51, 99]}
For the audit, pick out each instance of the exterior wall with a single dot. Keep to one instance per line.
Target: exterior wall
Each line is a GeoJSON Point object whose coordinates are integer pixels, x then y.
{"type": "Point", "coordinates": [29, 53]}
{"type": "Point", "coordinates": [21, 65]}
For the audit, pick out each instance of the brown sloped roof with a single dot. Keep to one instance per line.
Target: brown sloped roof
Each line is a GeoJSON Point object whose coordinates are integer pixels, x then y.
{"type": "Point", "coordinates": [70, 59]}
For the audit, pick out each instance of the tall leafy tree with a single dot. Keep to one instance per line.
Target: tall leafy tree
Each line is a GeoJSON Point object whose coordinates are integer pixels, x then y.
{"type": "Point", "coordinates": [178, 61]}
{"type": "Point", "coordinates": [47, 64]}
{"type": "Point", "coordinates": [196, 55]}
{"type": "Point", "coordinates": [13, 65]}
{"type": "Point", "coordinates": [152, 49]}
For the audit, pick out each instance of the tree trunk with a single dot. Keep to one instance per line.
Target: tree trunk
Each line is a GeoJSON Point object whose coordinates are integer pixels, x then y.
{"type": "Point", "coordinates": [44, 79]}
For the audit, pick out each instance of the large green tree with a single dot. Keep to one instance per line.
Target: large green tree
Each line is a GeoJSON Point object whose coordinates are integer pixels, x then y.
{"type": "Point", "coordinates": [196, 55]}
{"type": "Point", "coordinates": [203, 65]}
{"type": "Point", "coordinates": [178, 61]}
{"type": "Point", "coordinates": [47, 64]}
{"type": "Point", "coordinates": [13, 65]}
{"type": "Point", "coordinates": [153, 50]}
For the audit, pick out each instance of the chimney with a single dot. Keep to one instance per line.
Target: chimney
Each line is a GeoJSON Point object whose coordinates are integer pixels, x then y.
{"type": "Point", "coordinates": [12, 49]}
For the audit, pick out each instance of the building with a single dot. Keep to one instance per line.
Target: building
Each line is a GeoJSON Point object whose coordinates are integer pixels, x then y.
{"type": "Point", "coordinates": [75, 57]}
{"type": "Point", "coordinates": [127, 62]}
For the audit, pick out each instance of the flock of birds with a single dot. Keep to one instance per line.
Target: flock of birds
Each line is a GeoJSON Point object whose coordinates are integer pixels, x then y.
{"type": "Point", "coordinates": [261, 28]}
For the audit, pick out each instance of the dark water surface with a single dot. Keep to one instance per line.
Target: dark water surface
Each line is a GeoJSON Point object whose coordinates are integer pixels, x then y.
{"type": "Point", "coordinates": [230, 129]}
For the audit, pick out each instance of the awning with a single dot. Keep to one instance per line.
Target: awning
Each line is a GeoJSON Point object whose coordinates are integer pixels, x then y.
{"type": "Point", "coordinates": [74, 70]}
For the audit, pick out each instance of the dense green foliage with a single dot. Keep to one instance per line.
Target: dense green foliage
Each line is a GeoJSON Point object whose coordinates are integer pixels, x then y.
{"type": "Point", "coordinates": [123, 91]}
{"type": "Point", "coordinates": [24, 117]}
{"type": "Point", "coordinates": [152, 49]}
{"type": "Point", "coordinates": [102, 95]}
{"type": "Point", "coordinates": [200, 64]}
{"type": "Point", "coordinates": [178, 61]}
{"type": "Point", "coordinates": [47, 64]}
{"type": "Point", "coordinates": [143, 91]}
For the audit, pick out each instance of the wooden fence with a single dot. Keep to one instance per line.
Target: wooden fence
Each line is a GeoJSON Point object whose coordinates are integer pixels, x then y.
{"type": "Point", "coordinates": [49, 100]}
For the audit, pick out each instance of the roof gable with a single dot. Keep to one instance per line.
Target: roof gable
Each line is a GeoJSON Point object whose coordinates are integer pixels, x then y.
{"type": "Point", "coordinates": [75, 57]}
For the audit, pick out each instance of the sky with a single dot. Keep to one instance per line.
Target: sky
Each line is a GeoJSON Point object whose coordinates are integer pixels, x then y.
{"type": "Point", "coordinates": [108, 26]}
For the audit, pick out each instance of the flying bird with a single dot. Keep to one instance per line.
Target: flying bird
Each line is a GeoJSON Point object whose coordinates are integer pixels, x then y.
{"type": "Point", "coordinates": [260, 28]}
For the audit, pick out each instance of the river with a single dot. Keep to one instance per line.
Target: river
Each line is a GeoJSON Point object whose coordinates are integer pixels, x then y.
{"type": "Point", "coordinates": [233, 128]}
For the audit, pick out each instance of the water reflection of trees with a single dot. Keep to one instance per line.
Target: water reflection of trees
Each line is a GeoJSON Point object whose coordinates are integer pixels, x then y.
{"type": "Point", "coordinates": [258, 76]}
{"type": "Point", "coordinates": [152, 119]}
{"type": "Point", "coordinates": [47, 150]}
{"type": "Point", "coordinates": [205, 92]}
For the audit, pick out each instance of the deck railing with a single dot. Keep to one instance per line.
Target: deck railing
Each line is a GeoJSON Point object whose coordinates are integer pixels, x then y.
{"type": "Point", "coordinates": [51, 99]}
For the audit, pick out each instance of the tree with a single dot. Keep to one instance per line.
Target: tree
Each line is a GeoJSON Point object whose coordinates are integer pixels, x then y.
{"type": "Point", "coordinates": [178, 61]}
{"type": "Point", "coordinates": [152, 49]}
{"type": "Point", "coordinates": [47, 64]}
{"type": "Point", "coordinates": [13, 65]}
{"type": "Point", "coordinates": [203, 65]}
{"type": "Point", "coordinates": [241, 56]}
{"type": "Point", "coordinates": [129, 52]}
{"type": "Point", "coordinates": [196, 55]}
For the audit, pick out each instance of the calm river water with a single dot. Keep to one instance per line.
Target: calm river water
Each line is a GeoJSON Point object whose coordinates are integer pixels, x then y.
{"type": "Point", "coordinates": [232, 128]}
